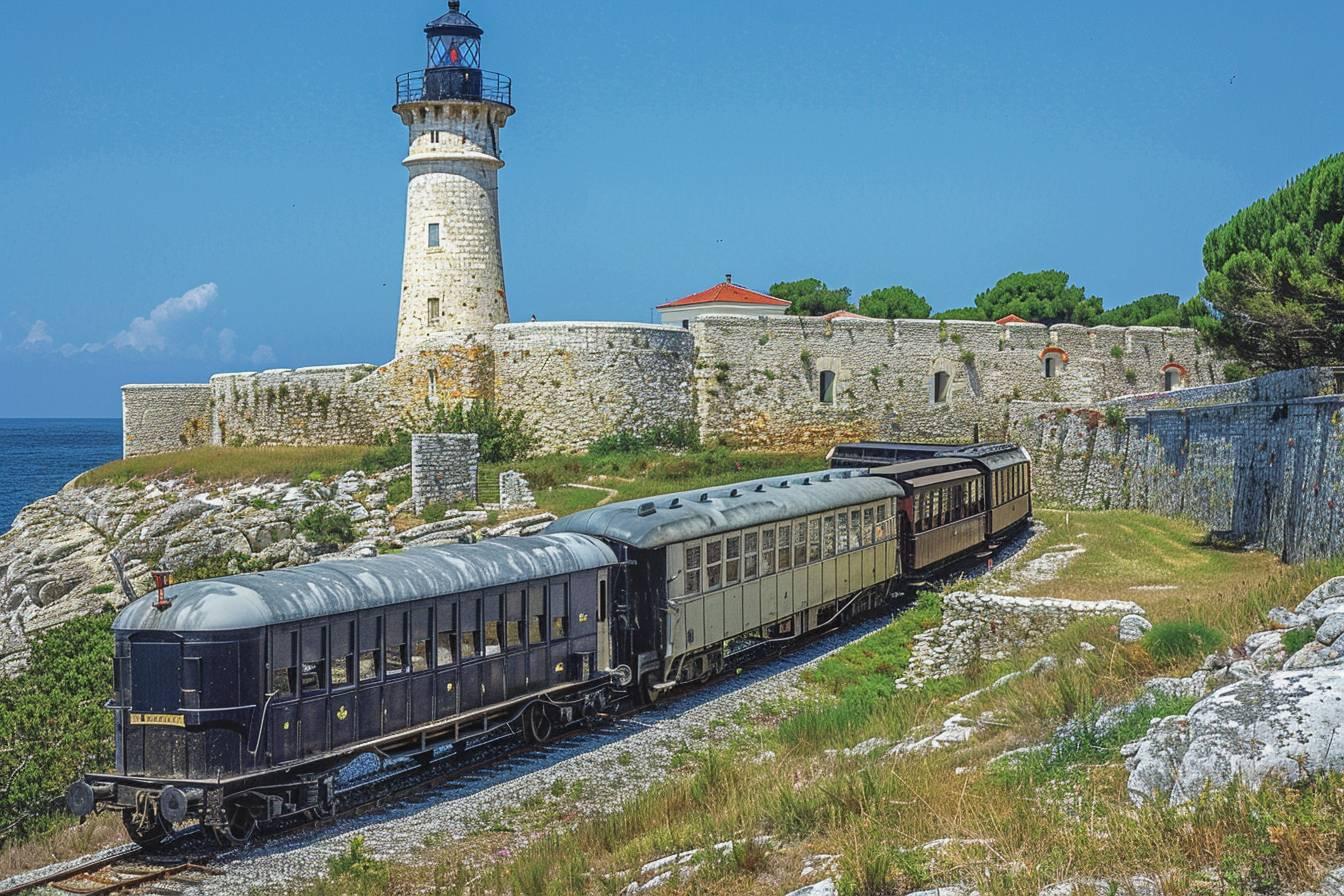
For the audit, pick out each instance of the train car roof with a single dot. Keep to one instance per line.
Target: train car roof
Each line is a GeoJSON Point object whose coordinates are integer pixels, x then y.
{"type": "Point", "coordinates": [666, 519]}
{"type": "Point", "coordinates": [259, 599]}
{"type": "Point", "coordinates": [909, 455]}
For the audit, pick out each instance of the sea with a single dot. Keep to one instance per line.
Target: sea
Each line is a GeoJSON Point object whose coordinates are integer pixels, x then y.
{"type": "Point", "coordinates": [38, 456]}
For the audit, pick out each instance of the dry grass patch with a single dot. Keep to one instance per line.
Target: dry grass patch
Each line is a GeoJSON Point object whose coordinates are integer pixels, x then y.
{"type": "Point", "coordinates": [221, 464]}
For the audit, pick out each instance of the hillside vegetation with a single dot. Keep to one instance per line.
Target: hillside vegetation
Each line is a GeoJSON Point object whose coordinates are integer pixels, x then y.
{"type": "Point", "coordinates": [1060, 813]}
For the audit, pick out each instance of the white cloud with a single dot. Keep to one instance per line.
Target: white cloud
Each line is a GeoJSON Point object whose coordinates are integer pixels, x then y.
{"type": "Point", "coordinates": [69, 349]}
{"type": "Point", "coordinates": [145, 333]}
{"type": "Point", "coordinates": [37, 335]}
{"type": "Point", "coordinates": [263, 354]}
{"type": "Point", "coordinates": [227, 342]}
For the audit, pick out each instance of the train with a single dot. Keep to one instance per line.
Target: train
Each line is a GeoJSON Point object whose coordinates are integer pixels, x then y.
{"type": "Point", "coordinates": [239, 700]}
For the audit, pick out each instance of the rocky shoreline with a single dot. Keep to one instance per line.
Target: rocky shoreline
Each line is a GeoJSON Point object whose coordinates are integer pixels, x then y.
{"type": "Point", "coordinates": [55, 561]}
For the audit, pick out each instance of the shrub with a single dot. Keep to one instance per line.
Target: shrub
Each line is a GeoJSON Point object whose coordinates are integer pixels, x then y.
{"type": "Point", "coordinates": [398, 490]}
{"type": "Point", "coordinates": [327, 526]}
{"type": "Point", "coordinates": [356, 870]}
{"type": "Point", "coordinates": [105, 588]}
{"type": "Point", "coordinates": [1117, 352]}
{"type": "Point", "coordinates": [434, 512]}
{"type": "Point", "coordinates": [1115, 416]}
{"type": "Point", "coordinates": [1295, 640]}
{"type": "Point", "coordinates": [1131, 376]}
{"type": "Point", "coordinates": [1235, 371]}
{"type": "Point", "coordinates": [683, 435]}
{"type": "Point", "coordinates": [1168, 641]}
{"type": "Point", "coordinates": [502, 435]}
{"type": "Point", "coordinates": [52, 722]}
{"type": "Point", "coordinates": [231, 563]}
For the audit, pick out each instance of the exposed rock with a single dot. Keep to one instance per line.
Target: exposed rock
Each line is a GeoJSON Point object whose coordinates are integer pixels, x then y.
{"type": "Point", "coordinates": [1315, 655]}
{"type": "Point", "coordinates": [1132, 628]}
{"type": "Point", "coordinates": [1332, 884]}
{"type": "Point", "coordinates": [1284, 618]}
{"type": "Point", "coordinates": [952, 890]}
{"type": "Point", "coordinates": [1328, 593]}
{"type": "Point", "coordinates": [868, 746]}
{"type": "Point", "coordinates": [820, 888]}
{"type": "Point", "coordinates": [1282, 725]}
{"type": "Point", "coordinates": [1331, 629]}
{"type": "Point", "coordinates": [956, 730]}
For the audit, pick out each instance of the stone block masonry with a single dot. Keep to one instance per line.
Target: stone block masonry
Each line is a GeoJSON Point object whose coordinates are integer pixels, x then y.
{"type": "Point", "coordinates": [577, 382]}
{"type": "Point", "coordinates": [444, 467]}
{"type": "Point", "coordinates": [155, 419]}
{"type": "Point", "coordinates": [1267, 468]}
{"type": "Point", "coordinates": [790, 382]}
{"type": "Point", "coordinates": [984, 628]}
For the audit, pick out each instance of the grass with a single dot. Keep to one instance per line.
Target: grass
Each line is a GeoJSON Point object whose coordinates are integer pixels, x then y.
{"type": "Point", "coordinates": [220, 464]}
{"type": "Point", "coordinates": [1060, 811]}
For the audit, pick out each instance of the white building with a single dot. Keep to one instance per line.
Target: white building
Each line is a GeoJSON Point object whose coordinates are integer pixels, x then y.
{"type": "Point", "coordinates": [721, 298]}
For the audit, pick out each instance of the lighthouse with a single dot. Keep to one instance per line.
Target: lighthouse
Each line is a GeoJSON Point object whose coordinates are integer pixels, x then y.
{"type": "Point", "coordinates": [452, 277]}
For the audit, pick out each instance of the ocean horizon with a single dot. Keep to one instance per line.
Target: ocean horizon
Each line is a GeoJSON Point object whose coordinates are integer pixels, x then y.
{"type": "Point", "coordinates": [38, 455]}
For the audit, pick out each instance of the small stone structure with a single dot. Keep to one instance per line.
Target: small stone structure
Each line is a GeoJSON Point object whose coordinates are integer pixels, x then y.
{"type": "Point", "coordinates": [515, 493]}
{"type": "Point", "coordinates": [989, 627]}
{"type": "Point", "coordinates": [1260, 460]}
{"type": "Point", "coordinates": [444, 467]}
{"type": "Point", "coordinates": [155, 419]}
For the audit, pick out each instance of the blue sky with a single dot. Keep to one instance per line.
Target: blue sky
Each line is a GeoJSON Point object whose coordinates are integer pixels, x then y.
{"type": "Point", "coordinates": [191, 188]}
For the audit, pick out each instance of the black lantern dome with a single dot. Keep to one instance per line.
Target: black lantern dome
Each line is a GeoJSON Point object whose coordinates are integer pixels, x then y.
{"type": "Point", "coordinates": [453, 65]}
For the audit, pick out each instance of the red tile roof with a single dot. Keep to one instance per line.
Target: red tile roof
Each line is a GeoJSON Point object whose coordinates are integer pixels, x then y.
{"type": "Point", "coordinates": [834, 315]}
{"type": "Point", "coordinates": [726, 293]}
{"type": "Point", "coordinates": [1012, 319]}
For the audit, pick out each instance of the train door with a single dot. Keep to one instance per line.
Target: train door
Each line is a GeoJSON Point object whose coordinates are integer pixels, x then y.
{"type": "Point", "coordinates": [422, 664]}
{"type": "Point", "coordinates": [370, 669]}
{"type": "Point", "coordinates": [538, 626]}
{"type": "Point", "coordinates": [313, 726]}
{"type": "Point", "coordinates": [556, 595]}
{"type": "Point", "coordinates": [283, 713]}
{"type": "Point", "coordinates": [396, 663]}
{"type": "Point", "coordinates": [469, 655]}
{"type": "Point", "coordinates": [344, 699]}
{"type": "Point", "coordinates": [492, 667]}
{"type": "Point", "coordinates": [603, 626]}
{"type": "Point", "coordinates": [446, 680]}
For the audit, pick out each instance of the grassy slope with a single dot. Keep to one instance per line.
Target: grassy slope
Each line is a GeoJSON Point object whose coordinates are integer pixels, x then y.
{"type": "Point", "coordinates": [1062, 813]}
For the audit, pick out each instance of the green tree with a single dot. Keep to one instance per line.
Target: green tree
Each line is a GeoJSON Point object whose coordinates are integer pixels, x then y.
{"type": "Point", "coordinates": [1142, 312]}
{"type": "Point", "coordinates": [1043, 297]}
{"type": "Point", "coordinates": [895, 302]}
{"type": "Point", "coordinates": [968, 313]}
{"type": "Point", "coordinates": [1275, 274]}
{"type": "Point", "coordinates": [811, 297]}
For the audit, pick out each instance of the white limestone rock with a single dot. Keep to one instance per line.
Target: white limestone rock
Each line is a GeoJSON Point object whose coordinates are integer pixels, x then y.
{"type": "Point", "coordinates": [1283, 618]}
{"type": "Point", "coordinates": [820, 888]}
{"type": "Point", "coordinates": [1331, 629]}
{"type": "Point", "coordinates": [1133, 627]}
{"type": "Point", "coordinates": [1329, 592]}
{"type": "Point", "coordinates": [1315, 655]}
{"type": "Point", "coordinates": [1283, 725]}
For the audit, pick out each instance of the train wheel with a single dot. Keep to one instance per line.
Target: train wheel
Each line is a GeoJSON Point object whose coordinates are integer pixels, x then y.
{"type": "Point", "coordinates": [538, 724]}
{"type": "Point", "coordinates": [240, 825]}
{"type": "Point", "coordinates": [146, 834]}
{"type": "Point", "coordinates": [647, 692]}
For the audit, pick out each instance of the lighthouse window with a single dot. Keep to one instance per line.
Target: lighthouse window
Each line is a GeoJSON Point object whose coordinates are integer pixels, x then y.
{"type": "Point", "coordinates": [434, 308]}
{"type": "Point", "coordinates": [940, 383]}
{"type": "Point", "coordinates": [433, 236]}
{"type": "Point", "coordinates": [827, 387]}
{"type": "Point", "coordinates": [433, 136]}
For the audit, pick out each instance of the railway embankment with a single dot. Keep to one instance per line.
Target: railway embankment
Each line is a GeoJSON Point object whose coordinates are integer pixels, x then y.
{"type": "Point", "coordinates": [999, 774]}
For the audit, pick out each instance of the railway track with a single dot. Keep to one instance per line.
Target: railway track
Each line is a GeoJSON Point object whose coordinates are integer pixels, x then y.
{"type": "Point", "coordinates": [186, 862]}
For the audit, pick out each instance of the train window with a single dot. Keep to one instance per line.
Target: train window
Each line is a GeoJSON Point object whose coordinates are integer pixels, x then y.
{"type": "Point", "coordinates": [856, 529]}
{"type": "Point", "coordinates": [713, 564]}
{"type": "Point", "coordinates": [471, 644]}
{"type": "Point", "coordinates": [420, 656]}
{"type": "Point", "coordinates": [284, 672]}
{"type": "Point", "coordinates": [342, 653]}
{"type": "Point", "coordinates": [768, 551]}
{"type": "Point", "coordinates": [732, 567]}
{"type": "Point", "coordinates": [368, 665]}
{"type": "Point", "coordinates": [785, 552]}
{"type": "Point", "coordinates": [693, 569]}
{"type": "Point", "coordinates": [800, 543]}
{"type": "Point", "coordinates": [560, 616]}
{"type": "Point", "coordinates": [880, 523]}
{"type": "Point", "coordinates": [842, 539]}
{"type": "Point", "coordinates": [536, 616]}
{"type": "Point", "coordinates": [813, 540]}
{"type": "Point", "coordinates": [869, 533]}
{"type": "Point", "coordinates": [601, 598]}
{"type": "Point", "coordinates": [443, 649]}
{"type": "Point", "coordinates": [394, 652]}
{"type": "Point", "coordinates": [493, 637]}
{"type": "Point", "coordinates": [958, 494]}
{"type": "Point", "coordinates": [751, 542]}
{"type": "Point", "coordinates": [828, 536]}
{"type": "Point", "coordinates": [513, 620]}
{"type": "Point", "coordinates": [314, 676]}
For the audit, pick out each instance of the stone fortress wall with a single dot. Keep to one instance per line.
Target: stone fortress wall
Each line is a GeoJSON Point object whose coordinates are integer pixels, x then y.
{"type": "Point", "coordinates": [1260, 461]}
{"type": "Point", "coordinates": [159, 418]}
{"type": "Point", "coordinates": [745, 380]}
{"type": "Point", "coordinates": [759, 381]}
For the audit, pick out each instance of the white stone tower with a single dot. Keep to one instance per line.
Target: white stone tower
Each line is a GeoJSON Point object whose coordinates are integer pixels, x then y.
{"type": "Point", "coordinates": [452, 278]}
